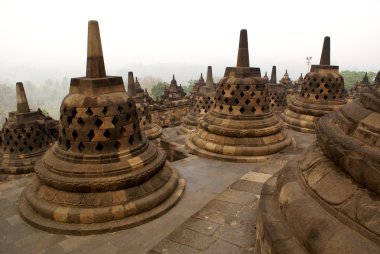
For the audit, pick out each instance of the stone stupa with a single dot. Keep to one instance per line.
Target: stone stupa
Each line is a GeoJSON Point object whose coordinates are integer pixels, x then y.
{"type": "Point", "coordinates": [204, 102]}
{"type": "Point", "coordinates": [360, 87]}
{"type": "Point", "coordinates": [26, 135]}
{"type": "Point", "coordinates": [151, 130]}
{"type": "Point", "coordinates": [102, 175]}
{"type": "Point", "coordinates": [328, 200]}
{"type": "Point", "coordinates": [322, 92]}
{"type": "Point", "coordinates": [197, 86]}
{"type": "Point", "coordinates": [241, 127]}
{"type": "Point", "coordinates": [276, 93]}
{"type": "Point", "coordinates": [173, 92]}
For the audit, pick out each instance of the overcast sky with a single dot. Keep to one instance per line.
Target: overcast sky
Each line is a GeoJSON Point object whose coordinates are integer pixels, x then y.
{"type": "Point", "coordinates": [47, 39]}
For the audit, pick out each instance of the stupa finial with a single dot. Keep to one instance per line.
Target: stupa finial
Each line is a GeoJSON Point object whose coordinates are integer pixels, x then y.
{"type": "Point", "coordinates": [243, 55]}
{"type": "Point", "coordinates": [325, 56]}
{"type": "Point", "coordinates": [22, 101]}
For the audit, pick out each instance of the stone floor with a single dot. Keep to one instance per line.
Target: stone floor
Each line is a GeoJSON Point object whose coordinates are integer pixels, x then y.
{"type": "Point", "coordinates": [217, 213]}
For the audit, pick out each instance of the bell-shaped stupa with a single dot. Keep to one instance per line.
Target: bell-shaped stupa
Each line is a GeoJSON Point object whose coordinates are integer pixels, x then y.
{"type": "Point", "coordinates": [26, 135]}
{"type": "Point", "coordinates": [328, 200]}
{"type": "Point", "coordinates": [360, 87]}
{"type": "Point", "coordinates": [197, 86]}
{"type": "Point", "coordinates": [276, 93]}
{"type": "Point", "coordinates": [322, 92]}
{"type": "Point", "coordinates": [151, 130]}
{"type": "Point", "coordinates": [102, 175]}
{"type": "Point", "coordinates": [241, 126]}
{"type": "Point", "coordinates": [204, 101]}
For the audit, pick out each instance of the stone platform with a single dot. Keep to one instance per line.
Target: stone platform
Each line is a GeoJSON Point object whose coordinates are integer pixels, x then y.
{"type": "Point", "coordinates": [212, 217]}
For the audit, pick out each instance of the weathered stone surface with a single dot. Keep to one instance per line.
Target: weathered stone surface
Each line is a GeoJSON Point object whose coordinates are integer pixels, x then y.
{"type": "Point", "coordinates": [328, 200]}
{"type": "Point", "coordinates": [204, 97]}
{"type": "Point", "coordinates": [240, 127]}
{"type": "Point", "coordinates": [151, 130]}
{"type": "Point", "coordinates": [102, 175]}
{"type": "Point", "coordinates": [322, 92]}
{"type": "Point", "coordinates": [25, 136]}
{"type": "Point", "coordinates": [277, 92]}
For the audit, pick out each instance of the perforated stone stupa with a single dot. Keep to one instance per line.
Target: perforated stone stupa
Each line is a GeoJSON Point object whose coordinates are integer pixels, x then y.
{"type": "Point", "coordinates": [277, 93]}
{"type": "Point", "coordinates": [240, 127]}
{"type": "Point", "coordinates": [102, 175]}
{"type": "Point", "coordinates": [204, 101]}
{"type": "Point", "coordinates": [173, 92]}
{"type": "Point", "coordinates": [322, 92]}
{"type": "Point", "coordinates": [201, 82]}
{"type": "Point", "coordinates": [328, 200]}
{"type": "Point", "coordinates": [360, 87]}
{"type": "Point", "coordinates": [26, 135]}
{"type": "Point", "coordinates": [151, 130]}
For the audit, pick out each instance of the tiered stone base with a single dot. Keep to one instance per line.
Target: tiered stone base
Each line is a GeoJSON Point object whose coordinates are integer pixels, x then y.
{"type": "Point", "coordinates": [125, 192]}
{"type": "Point", "coordinates": [301, 116]}
{"type": "Point", "coordinates": [15, 165]}
{"type": "Point", "coordinates": [313, 206]}
{"type": "Point", "coordinates": [189, 124]}
{"type": "Point", "coordinates": [238, 139]}
{"type": "Point", "coordinates": [153, 132]}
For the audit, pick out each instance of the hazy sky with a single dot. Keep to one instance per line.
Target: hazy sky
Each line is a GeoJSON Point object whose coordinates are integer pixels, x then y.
{"type": "Point", "coordinates": [47, 39]}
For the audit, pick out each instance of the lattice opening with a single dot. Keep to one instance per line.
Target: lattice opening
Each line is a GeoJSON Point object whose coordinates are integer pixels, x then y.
{"type": "Point", "coordinates": [89, 112]}
{"type": "Point", "coordinates": [74, 112]}
{"type": "Point", "coordinates": [68, 144]}
{"type": "Point", "coordinates": [81, 147]}
{"type": "Point", "coordinates": [98, 122]}
{"type": "Point", "coordinates": [130, 140]}
{"type": "Point", "coordinates": [242, 109]}
{"type": "Point", "coordinates": [80, 122]}
{"type": "Point", "coordinates": [69, 119]}
{"type": "Point", "coordinates": [117, 145]}
{"type": "Point", "coordinates": [105, 110]}
{"type": "Point", "coordinates": [91, 135]}
{"type": "Point", "coordinates": [107, 134]}
{"type": "Point", "coordinates": [75, 134]}
{"type": "Point", "coordinates": [99, 147]}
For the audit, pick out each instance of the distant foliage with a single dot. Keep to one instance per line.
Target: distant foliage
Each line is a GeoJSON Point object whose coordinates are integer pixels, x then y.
{"type": "Point", "coordinates": [158, 90]}
{"type": "Point", "coordinates": [189, 87]}
{"type": "Point", "coordinates": [351, 77]}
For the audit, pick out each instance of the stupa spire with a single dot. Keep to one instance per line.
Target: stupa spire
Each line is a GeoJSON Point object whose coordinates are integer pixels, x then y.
{"type": "Point", "coordinates": [273, 76]}
{"type": "Point", "coordinates": [95, 62]}
{"type": "Point", "coordinates": [325, 56]}
{"type": "Point", "coordinates": [243, 55]}
{"type": "Point", "coordinates": [131, 84]}
{"type": "Point", "coordinates": [209, 80]}
{"type": "Point", "coordinates": [22, 101]}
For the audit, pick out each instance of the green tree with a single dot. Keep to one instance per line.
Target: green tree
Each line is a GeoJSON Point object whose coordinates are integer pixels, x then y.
{"type": "Point", "coordinates": [158, 89]}
{"type": "Point", "coordinates": [189, 87]}
{"type": "Point", "coordinates": [351, 77]}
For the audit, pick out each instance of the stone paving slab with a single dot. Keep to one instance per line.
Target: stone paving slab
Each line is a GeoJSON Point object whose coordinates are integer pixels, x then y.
{"type": "Point", "coordinates": [228, 222]}
{"type": "Point", "coordinates": [221, 217]}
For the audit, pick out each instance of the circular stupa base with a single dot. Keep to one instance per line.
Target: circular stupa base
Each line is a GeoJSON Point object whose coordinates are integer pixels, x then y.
{"type": "Point", "coordinates": [205, 149]}
{"type": "Point", "coordinates": [299, 122]}
{"type": "Point", "coordinates": [15, 167]}
{"type": "Point", "coordinates": [312, 206]}
{"type": "Point", "coordinates": [153, 132]}
{"type": "Point", "coordinates": [75, 220]}
{"type": "Point", "coordinates": [185, 129]}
